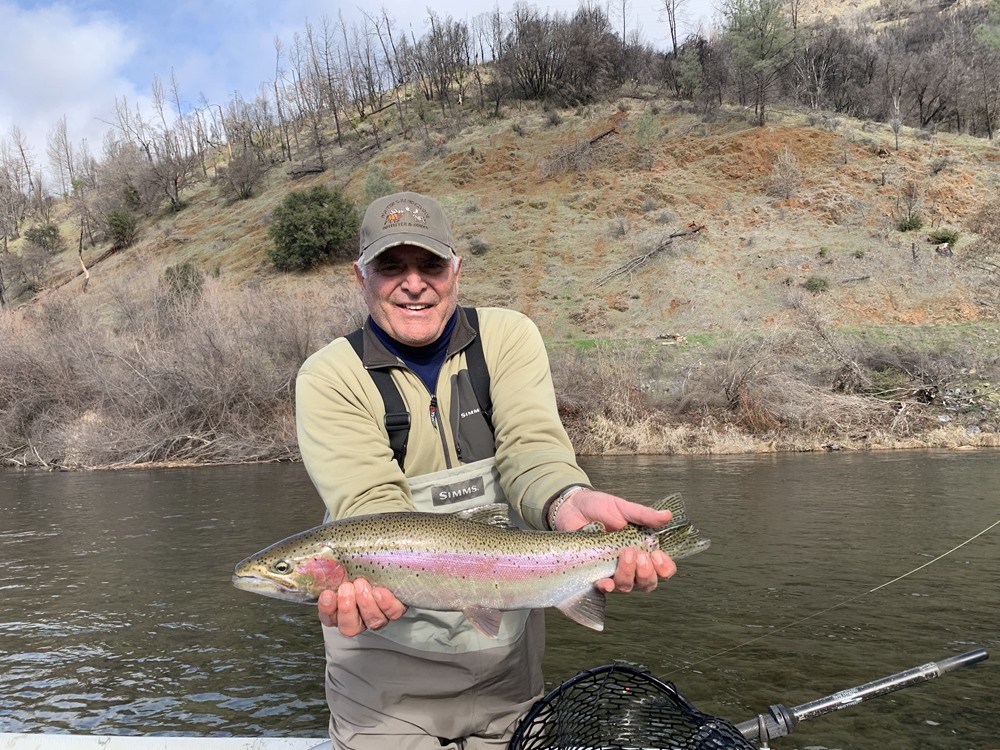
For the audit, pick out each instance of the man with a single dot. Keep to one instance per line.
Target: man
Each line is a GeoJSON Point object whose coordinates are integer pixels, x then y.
{"type": "Point", "coordinates": [411, 679]}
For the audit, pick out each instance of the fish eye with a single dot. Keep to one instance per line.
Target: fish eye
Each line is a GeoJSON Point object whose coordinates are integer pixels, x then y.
{"type": "Point", "coordinates": [282, 567]}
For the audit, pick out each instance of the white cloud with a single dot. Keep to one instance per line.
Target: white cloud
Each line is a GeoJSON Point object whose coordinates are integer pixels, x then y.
{"type": "Point", "coordinates": [55, 63]}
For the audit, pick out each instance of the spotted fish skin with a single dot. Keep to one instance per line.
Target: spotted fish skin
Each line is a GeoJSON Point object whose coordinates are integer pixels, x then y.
{"type": "Point", "coordinates": [472, 562]}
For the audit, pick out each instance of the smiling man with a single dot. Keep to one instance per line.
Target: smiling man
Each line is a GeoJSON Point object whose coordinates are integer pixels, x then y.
{"type": "Point", "coordinates": [439, 408]}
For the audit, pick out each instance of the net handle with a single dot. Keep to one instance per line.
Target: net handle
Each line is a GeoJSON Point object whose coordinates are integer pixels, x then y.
{"type": "Point", "coordinates": [780, 721]}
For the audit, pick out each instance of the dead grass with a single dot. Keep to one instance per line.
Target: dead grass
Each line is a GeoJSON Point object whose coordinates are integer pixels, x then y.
{"type": "Point", "coordinates": [207, 377]}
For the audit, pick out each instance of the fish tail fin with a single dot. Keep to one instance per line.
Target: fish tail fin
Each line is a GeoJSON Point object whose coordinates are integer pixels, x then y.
{"type": "Point", "coordinates": [678, 538]}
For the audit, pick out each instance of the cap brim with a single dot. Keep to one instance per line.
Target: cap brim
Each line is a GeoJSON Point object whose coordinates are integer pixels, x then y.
{"type": "Point", "coordinates": [395, 240]}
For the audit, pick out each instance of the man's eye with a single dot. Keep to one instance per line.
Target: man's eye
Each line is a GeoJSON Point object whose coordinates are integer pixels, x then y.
{"type": "Point", "coordinates": [389, 268]}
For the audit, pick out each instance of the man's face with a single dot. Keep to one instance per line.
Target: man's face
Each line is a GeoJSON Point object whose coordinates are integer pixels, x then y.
{"type": "Point", "coordinates": [411, 293]}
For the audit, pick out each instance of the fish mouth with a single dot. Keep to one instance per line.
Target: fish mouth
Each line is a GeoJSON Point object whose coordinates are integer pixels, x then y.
{"type": "Point", "coordinates": [269, 587]}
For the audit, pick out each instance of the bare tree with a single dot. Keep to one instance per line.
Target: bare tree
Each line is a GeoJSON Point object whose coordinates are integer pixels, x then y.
{"type": "Point", "coordinates": [309, 89]}
{"type": "Point", "coordinates": [328, 76]}
{"type": "Point", "coordinates": [673, 9]}
{"type": "Point", "coordinates": [23, 149]}
{"type": "Point", "coordinates": [174, 161]}
{"type": "Point", "coordinates": [286, 148]}
{"type": "Point", "coordinates": [60, 152]}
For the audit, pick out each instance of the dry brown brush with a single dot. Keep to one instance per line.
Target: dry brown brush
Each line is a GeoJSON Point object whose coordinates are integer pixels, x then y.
{"type": "Point", "coordinates": [785, 391]}
{"type": "Point", "coordinates": [204, 376]}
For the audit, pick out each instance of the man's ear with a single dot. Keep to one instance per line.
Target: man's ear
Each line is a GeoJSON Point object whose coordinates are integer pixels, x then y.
{"type": "Point", "coordinates": [358, 276]}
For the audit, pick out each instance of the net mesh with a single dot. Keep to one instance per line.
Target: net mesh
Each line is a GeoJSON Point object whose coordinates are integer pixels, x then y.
{"type": "Point", "coordinates": [620, 707]}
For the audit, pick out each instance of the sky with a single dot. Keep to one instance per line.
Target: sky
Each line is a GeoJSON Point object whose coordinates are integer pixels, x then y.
{"type": "Point", "coordinates": [76, 58]}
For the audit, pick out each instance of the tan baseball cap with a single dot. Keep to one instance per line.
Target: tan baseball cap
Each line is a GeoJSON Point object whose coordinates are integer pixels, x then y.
{"type": "Point", "coordinates": [405, 219]}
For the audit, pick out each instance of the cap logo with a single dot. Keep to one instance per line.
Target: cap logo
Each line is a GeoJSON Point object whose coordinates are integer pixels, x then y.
{"type": "Point", "coordinates": [404, 213]}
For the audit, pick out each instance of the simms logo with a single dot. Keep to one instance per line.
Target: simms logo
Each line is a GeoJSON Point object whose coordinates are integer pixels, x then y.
{"type": "Point", "coordinates": [447, 494]}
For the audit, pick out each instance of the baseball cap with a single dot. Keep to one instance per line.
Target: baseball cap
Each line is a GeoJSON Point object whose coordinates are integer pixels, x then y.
{"type": "Point", "coordinates": [405, 219]}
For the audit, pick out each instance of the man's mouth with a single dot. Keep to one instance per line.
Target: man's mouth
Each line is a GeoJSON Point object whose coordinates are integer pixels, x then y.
{"type": "Point", "coordinates": [415, 307]}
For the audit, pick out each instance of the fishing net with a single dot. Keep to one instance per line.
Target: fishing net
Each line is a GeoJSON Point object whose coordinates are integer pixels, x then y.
{"type": "Point", "coordinates": [619, 707]}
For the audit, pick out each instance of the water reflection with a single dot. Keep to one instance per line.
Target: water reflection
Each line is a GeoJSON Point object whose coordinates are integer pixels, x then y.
{"type": "Point", "coordinates": [117, 615]}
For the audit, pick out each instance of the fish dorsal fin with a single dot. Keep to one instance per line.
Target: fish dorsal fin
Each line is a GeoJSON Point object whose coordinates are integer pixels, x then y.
{"type": "Point", "coordinates": [675, 505]}
{"type": "Point", "coordinates": [596, 526]}
{"type": "Point", "coordinates": [484, 619]}
{"type": "Point", "coordinates": [495, 514]}
{"type": "Point", "coordinates": [586, 608]}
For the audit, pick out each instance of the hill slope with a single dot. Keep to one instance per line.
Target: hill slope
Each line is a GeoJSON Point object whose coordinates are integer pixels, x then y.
{"type": "Point", "coordinates": [542, 215]}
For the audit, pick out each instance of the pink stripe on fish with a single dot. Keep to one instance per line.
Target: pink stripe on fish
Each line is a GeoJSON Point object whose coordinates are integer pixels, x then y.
{"type": "Point", "coordinates": [473, 565]}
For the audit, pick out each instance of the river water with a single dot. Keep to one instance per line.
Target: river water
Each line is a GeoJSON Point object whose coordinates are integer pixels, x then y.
{"type": "Point", "coordinates": [117, 615]}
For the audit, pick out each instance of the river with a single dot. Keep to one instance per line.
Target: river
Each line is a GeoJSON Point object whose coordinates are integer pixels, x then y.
{"type": "Point", "coordinates": [117, 615]}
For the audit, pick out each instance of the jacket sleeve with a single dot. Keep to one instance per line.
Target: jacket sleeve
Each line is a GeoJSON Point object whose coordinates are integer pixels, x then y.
{"type": "Point", "coordinates": [534, 455]}
{"type": "Point", "coordinates": [344, 445]}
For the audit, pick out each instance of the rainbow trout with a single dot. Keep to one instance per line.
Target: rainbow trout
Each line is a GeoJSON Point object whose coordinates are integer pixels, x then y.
{"type": "Point", "coordinates": [474, 562]}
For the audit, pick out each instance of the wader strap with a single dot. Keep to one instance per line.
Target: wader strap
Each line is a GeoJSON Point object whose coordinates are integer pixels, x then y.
{"type": "Point", "coordinates": [479, 374]}
{"type": "Point", "coordinates": [397, 418]}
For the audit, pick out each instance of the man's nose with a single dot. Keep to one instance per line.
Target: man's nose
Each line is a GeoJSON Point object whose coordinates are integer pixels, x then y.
{"type": "Point", "coordinates": [414, 280]}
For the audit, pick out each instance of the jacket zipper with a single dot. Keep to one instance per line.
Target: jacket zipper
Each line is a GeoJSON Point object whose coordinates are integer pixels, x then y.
{"type": "Point", "coordinates": [440, 432]}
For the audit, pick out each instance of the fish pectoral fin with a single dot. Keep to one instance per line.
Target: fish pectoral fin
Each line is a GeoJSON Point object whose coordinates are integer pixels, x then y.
{"type": "Point", "coordinates": [586, 608]}
{"type": "Point", "coordinates": [484, 619]}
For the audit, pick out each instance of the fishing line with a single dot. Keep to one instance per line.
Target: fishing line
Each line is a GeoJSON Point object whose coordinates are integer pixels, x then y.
{"type": "Point", "coordinates": [837, 605]}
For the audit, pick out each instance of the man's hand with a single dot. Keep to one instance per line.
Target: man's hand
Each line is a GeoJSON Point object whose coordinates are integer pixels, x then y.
{"type": "Point", "coordinates": [636, 568]}
{"type": "Point", "coordinates": [357, 606]}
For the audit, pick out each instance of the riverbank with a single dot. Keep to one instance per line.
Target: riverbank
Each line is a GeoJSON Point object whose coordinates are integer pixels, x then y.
{"type": "Point", "coordinates": [207, 376]}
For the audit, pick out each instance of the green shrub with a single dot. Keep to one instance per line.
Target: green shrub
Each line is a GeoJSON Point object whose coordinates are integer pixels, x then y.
{"type": "Point", "coordinates": [45, 236]}
{"type": "Point", "coordinates": [910, 223]}
{"type": "Point", "coordinates": [940, 236]}
{"type": "Point", "coordinates": [817, 284]}
{"type": "Point", "coordinates": [378, 183]}
{"type": "Point", "coordinates": [311, 227]}
{"type": "Point", "coordinates": [478, 246]}
{"type": "Point", "coordinates": [183, 281]}
{"type": "Point", "coordinates": [123, 227]}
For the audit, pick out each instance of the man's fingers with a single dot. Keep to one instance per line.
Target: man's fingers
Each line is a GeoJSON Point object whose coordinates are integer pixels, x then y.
{"type": "Point", "coordinates": [625, 573]}
{"type": "Point", "coordinates": [327, 606]}
{"type": "Point", "coordinates": [348, 617]}
{"type": "Point", "coordinates": [368, 608]}
{"type": "Point", "coordinates": [358, 606]}
{"type": "Point", "coordinates": [643, 515]}
{"type": "Point", "coordinates": [662, 564]}
{"type": "Point", "coordinates": [389, 604]}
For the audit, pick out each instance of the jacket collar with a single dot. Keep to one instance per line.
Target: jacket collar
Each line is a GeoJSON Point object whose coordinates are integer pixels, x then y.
{"type": "Point", "coordinates": [377, 356]}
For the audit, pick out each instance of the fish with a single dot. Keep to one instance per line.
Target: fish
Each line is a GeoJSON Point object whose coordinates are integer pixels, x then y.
{"type": "Point", "coordinates": [475, 562]}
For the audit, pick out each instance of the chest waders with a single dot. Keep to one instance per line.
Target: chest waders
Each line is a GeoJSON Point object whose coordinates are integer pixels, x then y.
{"type": "Point", "coordinates": [468, 485]}
{"type": "Point", "coordinates": [432, 673]}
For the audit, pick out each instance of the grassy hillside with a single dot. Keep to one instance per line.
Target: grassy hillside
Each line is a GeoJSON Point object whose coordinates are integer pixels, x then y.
{"type": "Point", "coordinates": [542, 215]}
{"type": "Point", "coordinates": [805, 319]}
